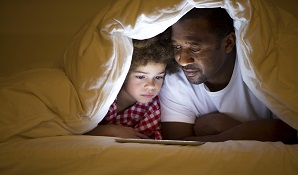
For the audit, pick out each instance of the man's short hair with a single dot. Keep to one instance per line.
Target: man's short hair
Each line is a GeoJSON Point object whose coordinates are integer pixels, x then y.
{"type": "Point", "coordinates": [220, 22]}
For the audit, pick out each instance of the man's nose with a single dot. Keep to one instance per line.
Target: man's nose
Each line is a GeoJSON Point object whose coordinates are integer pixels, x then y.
{"type": "Point", "coordinates": [184, 57]}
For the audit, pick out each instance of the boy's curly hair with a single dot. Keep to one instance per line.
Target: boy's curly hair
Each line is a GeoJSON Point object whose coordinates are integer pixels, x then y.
{"type": "Point", "coordinates": [158, 49]}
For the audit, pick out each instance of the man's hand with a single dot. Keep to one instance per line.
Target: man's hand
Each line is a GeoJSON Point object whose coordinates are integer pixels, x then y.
{"type": "Point", "coordinates": [213, 123]}
{"type": "Point", "coordinates": [116, 131]}
{"type": "Point", "coordinates": [268, 130]}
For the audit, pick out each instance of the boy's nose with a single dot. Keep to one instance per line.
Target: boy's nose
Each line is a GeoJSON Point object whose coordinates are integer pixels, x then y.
{"type": "Point", "coordinates": [150, 85]}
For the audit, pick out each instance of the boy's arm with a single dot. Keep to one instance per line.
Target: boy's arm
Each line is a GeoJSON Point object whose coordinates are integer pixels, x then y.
{"type": "Point", "coordinates": [116, 131]}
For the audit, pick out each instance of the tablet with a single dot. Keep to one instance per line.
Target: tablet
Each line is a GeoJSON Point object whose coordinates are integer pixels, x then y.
{"type": "Point", "coordinates": [165, 142]}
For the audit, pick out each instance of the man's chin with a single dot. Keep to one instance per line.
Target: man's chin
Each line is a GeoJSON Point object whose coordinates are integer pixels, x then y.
{"type": "Point", "coordinates": [193, 80]}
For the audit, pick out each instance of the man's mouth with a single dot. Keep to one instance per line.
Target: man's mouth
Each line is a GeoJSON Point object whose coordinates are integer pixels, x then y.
{"type": "Point", "coordinates": [190, 72]}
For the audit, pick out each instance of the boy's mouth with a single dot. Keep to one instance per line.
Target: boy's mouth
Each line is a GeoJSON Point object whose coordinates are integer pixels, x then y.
{"type": "Point", "coordinates": [148, 95]}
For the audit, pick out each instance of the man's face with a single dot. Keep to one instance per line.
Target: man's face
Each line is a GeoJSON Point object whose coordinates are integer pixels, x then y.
{"type": "Point", "coordinates": [200, 54]}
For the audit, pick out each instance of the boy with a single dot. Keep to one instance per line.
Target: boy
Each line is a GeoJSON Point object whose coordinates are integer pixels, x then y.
{"type": "Point", "coordinates": [136, 111]}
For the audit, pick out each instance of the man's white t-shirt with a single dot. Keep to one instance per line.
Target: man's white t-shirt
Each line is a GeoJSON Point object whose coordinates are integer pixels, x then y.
{"type": "Point", "coordinates": [182, 101]}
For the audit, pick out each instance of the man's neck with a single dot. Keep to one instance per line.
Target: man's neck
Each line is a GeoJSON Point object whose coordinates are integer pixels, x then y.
{"type": "Point", "coordinates": [224, 76]}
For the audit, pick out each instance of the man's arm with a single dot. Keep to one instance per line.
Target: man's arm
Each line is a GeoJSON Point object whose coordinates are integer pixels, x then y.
{"type": "Point", "coordinates": [213, 123]}
{"type": "Point", "coordinates": [261, 130]}
{"type": "Point", "coordinates": [209, 124]}
{"type": "Point", "coordinates": [176, 130]}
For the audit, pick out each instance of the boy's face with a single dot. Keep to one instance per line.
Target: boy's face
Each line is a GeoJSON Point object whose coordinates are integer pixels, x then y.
{"type": "Point", "coordinates": [144, 83]}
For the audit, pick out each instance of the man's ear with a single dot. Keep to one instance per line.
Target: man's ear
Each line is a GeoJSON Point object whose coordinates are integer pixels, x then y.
{"type": "Point", "coordinates": [230, 42]}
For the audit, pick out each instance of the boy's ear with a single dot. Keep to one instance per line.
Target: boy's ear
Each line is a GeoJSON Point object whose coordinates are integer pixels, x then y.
{"type": "Point", "coordinates": [230, 42]}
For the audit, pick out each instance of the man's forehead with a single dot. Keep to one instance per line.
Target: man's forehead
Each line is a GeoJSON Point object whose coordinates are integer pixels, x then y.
{"type": "Point", "coordinates": [187, 37]}
{"type": "Point", "coordinates": [194, 21]}
{"type": "Point", "coordinates": [191, 26]}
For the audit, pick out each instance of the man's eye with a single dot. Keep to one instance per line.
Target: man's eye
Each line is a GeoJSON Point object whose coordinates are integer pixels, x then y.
{"type": "Point", "coordinates": [195, 50]}
{"type": "Point", "coordinates": [177, 47]}
{"type": "Point", "coordinates": [140, 77]}
{"type": "Point", "coordinates": [159, 77]}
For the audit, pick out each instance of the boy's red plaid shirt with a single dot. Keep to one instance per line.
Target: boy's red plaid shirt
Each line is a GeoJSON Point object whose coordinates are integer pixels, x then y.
{"type": "Point", "coordinates": [143, 117]}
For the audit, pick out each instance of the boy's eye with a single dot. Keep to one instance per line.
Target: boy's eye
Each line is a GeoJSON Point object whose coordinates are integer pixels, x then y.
{"type": "Point", "coordinates": [159, 77]}
{"type": "Point", "coordinates": [140, 77]}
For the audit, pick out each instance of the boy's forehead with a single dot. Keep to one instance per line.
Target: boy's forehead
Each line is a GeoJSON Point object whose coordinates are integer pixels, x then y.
{"type": "Point", "coordinates": [151, 67]}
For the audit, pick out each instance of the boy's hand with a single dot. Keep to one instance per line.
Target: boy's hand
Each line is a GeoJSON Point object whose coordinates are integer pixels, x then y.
{"type": "Point", "coordinates": [116, 131]}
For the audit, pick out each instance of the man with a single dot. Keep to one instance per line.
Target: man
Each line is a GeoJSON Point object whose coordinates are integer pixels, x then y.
{"type": "Point", "coordinates": [208, 100]}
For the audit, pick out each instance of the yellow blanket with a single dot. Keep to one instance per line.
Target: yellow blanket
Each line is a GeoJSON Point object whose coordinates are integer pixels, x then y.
{"type": "Point", "coordinates": [75, 97]}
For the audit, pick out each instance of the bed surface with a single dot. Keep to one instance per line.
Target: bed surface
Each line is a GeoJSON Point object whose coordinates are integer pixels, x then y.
{"type": "Point", "coordinates": [102, 155]}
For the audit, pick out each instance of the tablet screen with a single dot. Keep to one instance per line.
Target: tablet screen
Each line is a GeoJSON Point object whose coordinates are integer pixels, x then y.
{"type": "Point", "coordinates": [166, 142]}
